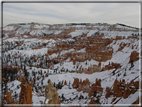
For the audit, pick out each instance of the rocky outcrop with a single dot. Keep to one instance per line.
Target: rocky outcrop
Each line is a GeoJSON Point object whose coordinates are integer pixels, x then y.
{"type": "Point", "coordinates": [134, 56]}
{"type": "Point", "coordinates": [107, 93]}
{"type": "Point", "coordinates": [121, 46]}
{"type": "Point", "coordinates": [121, 89]}
{"type": "Point", "coordinates": [51, 51]}
{"type": "Point", "coordinates": [46, 75]}
{"type": "Point", "coordinates": [111, 66]}
{"type": "Point", "coordinates": [95, 101]}
{"type": "Point", "coordinates": [94, 68]}
{"type": "Point", "coordinates": [95, 87]}
{"type": "Point", "coordinates": [8, 98]}
{"type": "Point", "coordinates": [26, 92]}
{"type": "Point", "coordinates": [75, 83]}
{"type": "Point", "coordinates": [84, 86]}
{"type": "Point", "coordinates": [51, 95]}
{"type": "Point", "coordinates": [65, 83]}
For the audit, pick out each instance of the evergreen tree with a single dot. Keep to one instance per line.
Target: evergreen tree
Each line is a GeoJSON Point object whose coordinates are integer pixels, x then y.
{"type": "Point", "coordinates": [42, 83]}
{"type": "Point", "coordinates": [132, 64]}
{"type": "Point", "coordinates": [41, 72]}
{"type": "Point", "coordinates": [54, 84]}
{"type": "Point", "coordinates": [34, 81]}
{"type": "Point", "coordinates": [98, 101]}
{"type": "Point", "coordinates": [15, 95]}
{"type": "Point", "coordinates": [63, 98]}
{"type": "Point", "coordinates": [94, 94]}
{"type": "Point", "coordinates": [114, 73]}
{"type": "Point", "coordinates": [125, 74]}
{"type": "Point", "coordinates": [48, 80]}
{"type": "Point", "coordinates": [118, 74]}
{"type": "Point", "coordinates": [86, 63]}
{"type": "Point", "coordinates": [59, 85]}
{"type": "Point", "coordinates": [24, 68]}
{"type": "Point", "coordinates": [62, 81]}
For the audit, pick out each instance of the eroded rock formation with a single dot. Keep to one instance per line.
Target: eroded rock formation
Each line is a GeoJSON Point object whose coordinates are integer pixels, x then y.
{"type": "Point", "coordinates": [8, 98]}
{"type": "Point", "coordinates": [26, 92]}
{"type": "Point", "coordinates": [134, 56]}
{"type": "Point", "coordinates": [51, 95]}
{"type": "Point", "coordinates": [65, 83]}
{"type": "Point", "coordinates": [95, 87]}
{"type": "Point", "coordinates": [121, 89]}
{"type": "Point", "coordinates": [111, 66]}
{"type": "Point", "coordinates": [46, 75]}
{"type": "Point", "coordinates": [84, 86]}
{"type": "Point", "coordinates": [75, 83]}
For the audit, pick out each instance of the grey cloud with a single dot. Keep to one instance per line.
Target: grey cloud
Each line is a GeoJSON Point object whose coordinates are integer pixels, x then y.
{"type": "Point", "coordinates": [72, 12]}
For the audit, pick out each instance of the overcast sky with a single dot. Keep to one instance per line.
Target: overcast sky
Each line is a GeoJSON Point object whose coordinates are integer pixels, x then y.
{"type": "Point", "coordinates": [58, 13]}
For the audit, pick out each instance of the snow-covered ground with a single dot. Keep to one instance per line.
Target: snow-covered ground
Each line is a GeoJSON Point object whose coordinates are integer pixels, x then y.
{"type": "Point", "coordinates": [34, 47]}
{"type": "Point", "coordinates": [78, 33]}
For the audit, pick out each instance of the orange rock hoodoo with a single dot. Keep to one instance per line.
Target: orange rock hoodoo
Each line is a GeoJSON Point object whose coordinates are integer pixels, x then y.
{"type": "Point", "coordinates": [111, 66]}
{"type": "Point", "coordinates": [65, 83]}
{"type": "Point", "coordinates": [122, 89]}
{"type": "Point", "coordinates": [26, 92]}
{"type": "Point", "coordinates": [51, 95]}
{"type": "Point", "coordinates": [134, 56]}
{"type": "Point", "coordinates": [8, 98]}
{"type": "Point", "coordinates": [95, 87]}
{"type": "Point", "coordinates": [46, 75]}
{"type": "Point", "coordinates": [84, 86]}
{"type": "Point", "coordinates": [75, 83]}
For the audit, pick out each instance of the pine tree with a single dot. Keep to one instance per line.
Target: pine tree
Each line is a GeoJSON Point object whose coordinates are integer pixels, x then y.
{"type": "Point", "coordinates": [132, 64]}
{"type": "Point", "coordinates": [41, 72]}
{"type": "Point", "coordinates": [63, 98]}
{"type": "Point", "coordinates": [114, 73]}
{"type": "Point", "coordinates": [67, 70]}
{"type": "Point", "coordinates": [48, 80]}
{"type": "Point", "coordinates": [24, 68]}
{"type": "Point", "coordinates": [94, 94]}
{"type": "Point", "coordinates": [54, 84]}
{"type": "Point", "coordinates": [98, 101]}
{"type": "Point", "coordinates": [15, 95]}
{"type": "Point", "coordinates": [80, 97]}
{"type": "Point", "coordinates": [59, 85]}
{"type": "Point", "coordinates": [86, 63]}
{"type": "Point", "coordinates": [62, 81]}
{"type": "Point", "coordinates": [42, 83]}
{"type": "Point", "coordinates": [125, 74]}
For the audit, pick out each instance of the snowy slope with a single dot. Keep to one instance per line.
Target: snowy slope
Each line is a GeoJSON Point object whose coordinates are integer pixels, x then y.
{"type": "Point", "coordinates": [78, 33]}
{"type": "Point", "coordinates": [31, 45]}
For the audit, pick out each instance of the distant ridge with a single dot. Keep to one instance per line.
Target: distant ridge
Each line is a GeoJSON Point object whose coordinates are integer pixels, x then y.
{"type": "Point", "coordinates": [73, 24]}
